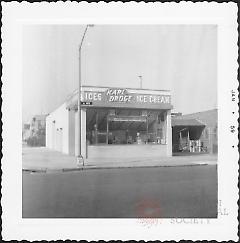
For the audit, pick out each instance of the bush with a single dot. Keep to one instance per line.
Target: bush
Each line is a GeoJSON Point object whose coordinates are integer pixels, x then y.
{"type": "Point", "coordinates": [35, 141]}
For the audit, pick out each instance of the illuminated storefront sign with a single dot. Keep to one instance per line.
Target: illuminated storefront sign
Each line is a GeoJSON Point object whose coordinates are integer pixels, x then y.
{"type": "Point", "coordinates": [112, 97]}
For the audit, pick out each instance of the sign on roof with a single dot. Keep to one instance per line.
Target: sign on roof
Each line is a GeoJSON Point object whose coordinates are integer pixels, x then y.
{"type": "Point", "coordinates": [117, 97]}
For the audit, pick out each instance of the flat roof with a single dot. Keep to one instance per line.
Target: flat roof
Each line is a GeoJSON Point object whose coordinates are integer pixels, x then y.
{"type": "Point", "coordinates": [105, 87]}
{"type": "Point", "coordinates": [108, 87]}
{"type": "Point", "coordinates": [186, 122]}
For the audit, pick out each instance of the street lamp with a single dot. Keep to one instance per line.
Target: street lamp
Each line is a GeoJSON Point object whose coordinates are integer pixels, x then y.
{"type": "Point", "coordinates": [80, 157]}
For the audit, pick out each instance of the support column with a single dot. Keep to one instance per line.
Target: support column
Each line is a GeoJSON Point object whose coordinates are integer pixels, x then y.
{"type": "Point", "coordinates": [107, 132]}
{"type": "Point", "coordinates": [147, 125]}
{"type": "Point", "coordinates": [83, 133]}
{"type": "Point", "coordinates": [169, 134]}
{"type": "Point", "coordinates": [96, 130]}
{"type": "Point", "coordinates": [76, 150]}
{"type": "Point", "coordinates": [210, 140]}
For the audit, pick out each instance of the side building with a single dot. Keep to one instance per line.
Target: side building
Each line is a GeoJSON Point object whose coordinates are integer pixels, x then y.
{"type": "Point", "coordinates": [37, 135]}
{"type": "Point", "coordinates": [26, 132]}
{"type": "Point", "coordinates": [196, 132]}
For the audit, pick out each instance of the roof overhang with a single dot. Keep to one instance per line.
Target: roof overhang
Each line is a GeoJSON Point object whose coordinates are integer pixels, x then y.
{"type": "Point", "coordinates": [181, 122]}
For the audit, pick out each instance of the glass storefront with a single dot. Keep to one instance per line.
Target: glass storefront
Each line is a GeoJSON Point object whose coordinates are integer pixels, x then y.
{"type": "Point", "coordinates": [126, 126]}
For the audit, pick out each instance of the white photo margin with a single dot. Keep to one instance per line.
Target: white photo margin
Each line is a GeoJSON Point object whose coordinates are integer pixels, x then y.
{"type": "Point", "coordinates": [15, 15]}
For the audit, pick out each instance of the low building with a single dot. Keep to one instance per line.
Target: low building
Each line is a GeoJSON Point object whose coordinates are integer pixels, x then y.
{"type": "Point", "coordinates": [115, 122]}
{"type": "Point", "coordinates": [26, 132]}
{"type": "Point", "coordinates": [196, 132]}
{"type": "Point", "coordinates": [38, 123]}
{"type": "Point", "coordinates": [37, 131]}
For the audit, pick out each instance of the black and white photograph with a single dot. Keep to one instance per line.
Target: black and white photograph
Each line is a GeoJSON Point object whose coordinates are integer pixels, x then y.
{"type": "Point", "coordinates": [147, 145]}
{"type": "Point", "coordinates": [123, 121]}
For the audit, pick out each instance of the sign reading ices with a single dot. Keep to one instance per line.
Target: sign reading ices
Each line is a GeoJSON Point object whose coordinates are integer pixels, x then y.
{"type": "Point", "coordinates": [123, 98]}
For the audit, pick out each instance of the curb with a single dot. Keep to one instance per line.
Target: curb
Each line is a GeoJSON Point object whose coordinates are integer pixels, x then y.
{"type": "Point", "coordinates": [106, 167]}
{"type": "Point", "coordinates": [35, 170]}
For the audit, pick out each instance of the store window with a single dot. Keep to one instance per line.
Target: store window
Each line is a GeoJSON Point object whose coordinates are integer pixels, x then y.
{"type": "Point", "coordinates": [125, 126]}
{"type": "Point", "coordinates": [161, 118]}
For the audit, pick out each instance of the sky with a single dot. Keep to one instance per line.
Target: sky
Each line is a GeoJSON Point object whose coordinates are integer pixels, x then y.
{"type": "Point", "coordinates": [180, 58]}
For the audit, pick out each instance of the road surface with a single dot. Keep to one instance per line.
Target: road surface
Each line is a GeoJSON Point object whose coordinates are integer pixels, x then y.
{"type": "Point", "coordinates": [183, 192]}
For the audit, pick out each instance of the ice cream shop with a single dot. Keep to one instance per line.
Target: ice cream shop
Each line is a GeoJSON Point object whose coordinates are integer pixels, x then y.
{"type": "Point", "coordinates": [115, 122]}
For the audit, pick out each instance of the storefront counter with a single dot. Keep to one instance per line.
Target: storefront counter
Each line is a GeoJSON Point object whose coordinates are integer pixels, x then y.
{"type": "Point", "coordinates": [127, 151]}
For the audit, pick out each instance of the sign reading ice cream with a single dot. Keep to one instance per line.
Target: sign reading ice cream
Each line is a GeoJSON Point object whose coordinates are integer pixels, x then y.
{"type": "Point", "coordinates": [153, 99]}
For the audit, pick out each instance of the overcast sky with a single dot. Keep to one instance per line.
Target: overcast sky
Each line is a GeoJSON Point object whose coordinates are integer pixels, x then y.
{"type": "Point", "coordinates": [182, 58]}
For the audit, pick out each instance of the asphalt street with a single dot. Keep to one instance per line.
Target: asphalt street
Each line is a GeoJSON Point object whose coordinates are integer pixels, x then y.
{"type": "Point", "coordinates": [164, 192]}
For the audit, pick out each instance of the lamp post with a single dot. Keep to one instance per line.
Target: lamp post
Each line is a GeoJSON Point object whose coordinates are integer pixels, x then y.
{"type": "Point", "coordinates": [140, 77]}
{"type": "Point", "coordinates": [79, 156]}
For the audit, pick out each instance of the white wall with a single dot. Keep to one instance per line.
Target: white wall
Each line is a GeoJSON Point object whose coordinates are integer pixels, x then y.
{"type": "Point", "coordinates": [72, 132]}
{"type": "Point", "coordinates": [53, 132]}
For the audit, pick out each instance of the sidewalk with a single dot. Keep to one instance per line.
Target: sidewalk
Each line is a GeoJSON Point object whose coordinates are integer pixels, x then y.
{"type": "Point", "coordinates": [44, 159]}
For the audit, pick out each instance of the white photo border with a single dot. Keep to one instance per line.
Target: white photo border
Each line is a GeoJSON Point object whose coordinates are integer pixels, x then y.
{"type": "Point", "coordinates": [15, 15]}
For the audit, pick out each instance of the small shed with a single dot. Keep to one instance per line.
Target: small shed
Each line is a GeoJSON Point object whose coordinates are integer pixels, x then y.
{"type": "Point", "coordinates": [184, 131]}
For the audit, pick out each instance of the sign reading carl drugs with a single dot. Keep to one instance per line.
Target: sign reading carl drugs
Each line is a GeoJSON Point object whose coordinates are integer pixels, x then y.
{"type": "Point", "coordinates": [124, 98]}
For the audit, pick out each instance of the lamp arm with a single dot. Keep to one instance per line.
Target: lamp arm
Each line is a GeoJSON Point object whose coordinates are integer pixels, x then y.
{"type": "Point", "coordinates": [85, 31]}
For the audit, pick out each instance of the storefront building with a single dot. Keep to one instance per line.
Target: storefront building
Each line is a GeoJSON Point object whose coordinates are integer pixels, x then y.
{"type": "Point", "coordinates": [115, 122]}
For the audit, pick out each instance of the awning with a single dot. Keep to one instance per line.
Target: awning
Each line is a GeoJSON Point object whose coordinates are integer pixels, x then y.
{"type": "Point", "coordinates": [186, 122]}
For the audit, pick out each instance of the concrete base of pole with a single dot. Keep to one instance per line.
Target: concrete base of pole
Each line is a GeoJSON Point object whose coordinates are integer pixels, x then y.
{"type": "Point", "coordinates": [80, 161]}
